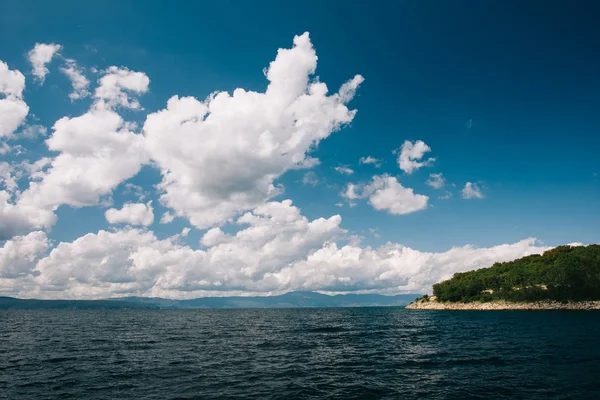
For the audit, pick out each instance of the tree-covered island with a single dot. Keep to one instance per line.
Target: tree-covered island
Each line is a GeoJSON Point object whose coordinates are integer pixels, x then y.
{"type": "Point", "coordinates": [567, 275]}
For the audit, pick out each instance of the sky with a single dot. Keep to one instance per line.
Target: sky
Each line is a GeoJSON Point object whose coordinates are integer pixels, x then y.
{"type": "Point", "coordinates": [238, 148]}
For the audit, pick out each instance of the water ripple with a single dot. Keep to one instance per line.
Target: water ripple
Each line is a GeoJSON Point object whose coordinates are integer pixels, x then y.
{"type": "Point", "coordinates": [353, 353]}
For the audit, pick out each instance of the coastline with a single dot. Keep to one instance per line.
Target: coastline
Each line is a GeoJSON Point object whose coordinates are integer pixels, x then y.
{"type": "Point", "coordinates": [504, 305]}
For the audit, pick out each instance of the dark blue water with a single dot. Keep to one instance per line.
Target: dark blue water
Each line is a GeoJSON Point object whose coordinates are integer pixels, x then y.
{"type": "Point", "coordinates": [352, 353]}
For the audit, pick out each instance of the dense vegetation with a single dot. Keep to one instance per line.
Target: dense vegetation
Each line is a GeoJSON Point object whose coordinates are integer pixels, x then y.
{"type": "Point", "coordinates": [563, 273]}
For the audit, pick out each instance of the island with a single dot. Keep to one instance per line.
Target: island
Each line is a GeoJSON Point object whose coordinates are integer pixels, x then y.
{"type": "Point", "coordinates": [563, 278]}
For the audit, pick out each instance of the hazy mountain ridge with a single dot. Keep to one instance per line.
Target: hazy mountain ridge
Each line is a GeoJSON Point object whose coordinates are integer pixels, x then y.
{"type": "Point", "coordinates": [287, 300]}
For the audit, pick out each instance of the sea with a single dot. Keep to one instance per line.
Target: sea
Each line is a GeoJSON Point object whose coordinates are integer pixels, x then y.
{"type": "Point", "coordinates": [328, 353]}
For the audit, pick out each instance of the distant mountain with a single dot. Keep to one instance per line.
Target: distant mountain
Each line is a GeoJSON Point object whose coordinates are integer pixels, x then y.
{"type": "Point", "coordinates": [10, 303]}
{"type": "Point", "coordinates": [288, 300]}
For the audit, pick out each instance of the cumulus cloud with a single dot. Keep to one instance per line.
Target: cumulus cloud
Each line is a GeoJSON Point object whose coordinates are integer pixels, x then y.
{"type": "Point", "coordinates": [96, 144]}
{"type": "Point", "coordinates": [13, 109]}
{"type": "Point", "coordinates": [132, 214]}
{"type": "Point", "coordinates": [18, 256]}
{"type": "Point", "coordinates": [8, 179]}
{"type": "Point", "coordinates": [436, 181]}
{"type": "Point", "coordinates": [41, 55]}
{"type": "Point", "coordinates": [391, 196]}
{"type": "Point", "coordinates": [344, 170]}
{"type": "Point", "coordinates": [79, 82]}
{"type": "Point", "coordinates": [222, 156]}
{"type": "Point", "coordinates": [370, 160]}
{"type": "Point", "coordinates": [17, 218]}
{"type": "Point", "coordinates": [220, 159]}
{"type": "Point", "coordinates": [387, 194]}
{"type": "Point", "coordinates": [213, 237]}
{"type": "Point", "coordinates": [409, 155]}
{"type": "Point", "coordinates": [393, 267]}
{"type": "Point", "coordinates": [472, 191]}
{"type": "Point", "coordinates": [135, 261]}
{"type": "Point", "coordinates": [116, 84]}
{"type": "Point", "coordinates": [277, 249]}
{"type": "Point", "coordinates": [354, 191]}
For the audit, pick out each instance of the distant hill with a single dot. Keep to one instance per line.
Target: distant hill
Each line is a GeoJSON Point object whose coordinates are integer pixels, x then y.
{"type": "Point", "coordinates": [288, 300]}
{"type": "Point", "coordinates": [564, 273]}
{"type": "Point", "coordinates": [10, 303]}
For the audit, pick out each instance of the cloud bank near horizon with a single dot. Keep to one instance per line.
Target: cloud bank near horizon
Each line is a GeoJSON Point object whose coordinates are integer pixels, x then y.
{"type": "Point", "coordinates": [219, 161]}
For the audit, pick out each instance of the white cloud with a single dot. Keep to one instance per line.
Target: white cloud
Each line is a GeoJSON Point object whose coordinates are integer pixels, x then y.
{"type": "Point", "coordinates": [370, 160]}
{"type": "Point", "coordinates": [13, 109]}
{"type": "Point", "coordinates": [446, 195]}
{"type": "Point", "coordinates": [167, 218]}
{"type": "Point", "coordinates": [392, 267]}
{"type": "Point", "coordinates": [436, 181]}
{"type": "Point", "coordinates": [472, 191]}
{"type": "Point", "coordinates": [310, 178]}
{"type": "Point", "coordinates": [221, 156]}
{"type": "Point", "coordinates": [8, 178]}
{"type": "Point", "coordinates": [213, 237]}
{"type": "Point", "coordinates": [135, 261]}
{"type": "Point", "coordinates": [344, 170]}
{"type": "Point", "coordinates": [411, 153]}
{"type": "Point", "coordinates": [185, 231]}
{"type": "Point", "coordinates": [97, 153]}
{"type": "Point", "coordinates": [348, 89]}
{"type": "Point", "coordinates": [12, 82]}
{"type": "Point", "coordinates": [132, 214]}
{"type": "Point", "coordinates": [5, 148]}
{"type": "Point", "coordinates": [79, 82]}
{"type": "Point", "coordinates": [386, 193]}
{"type": "Point", "coordinates": [18, 218]}
{"type": "Point", "coordinates": [33, 131]}
{"type": "Point", "coordinates": [12, 115]}
{"type": "Point", "coordinates": [41, 55]}
{"type": "Point", "coordinates": [391, 196]}
{"type": "Point", "coordinates": [18, 256]}
{"type": "Point", "coordinates": [276, 250]}
{"type": "Point", "coordinates": [116, 84]}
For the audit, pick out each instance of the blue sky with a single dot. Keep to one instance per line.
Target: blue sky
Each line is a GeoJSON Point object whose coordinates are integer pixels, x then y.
{"type": "Point", "coordinates": [505, 94]}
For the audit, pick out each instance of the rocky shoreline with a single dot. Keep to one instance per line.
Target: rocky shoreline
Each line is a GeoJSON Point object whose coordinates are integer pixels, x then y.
{"type": "Point", "coordinates": [503, 305]}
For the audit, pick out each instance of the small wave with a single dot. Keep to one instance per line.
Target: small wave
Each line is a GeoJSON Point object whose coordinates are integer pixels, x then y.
{"type": "Point", "coordinates": [327, 329]}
